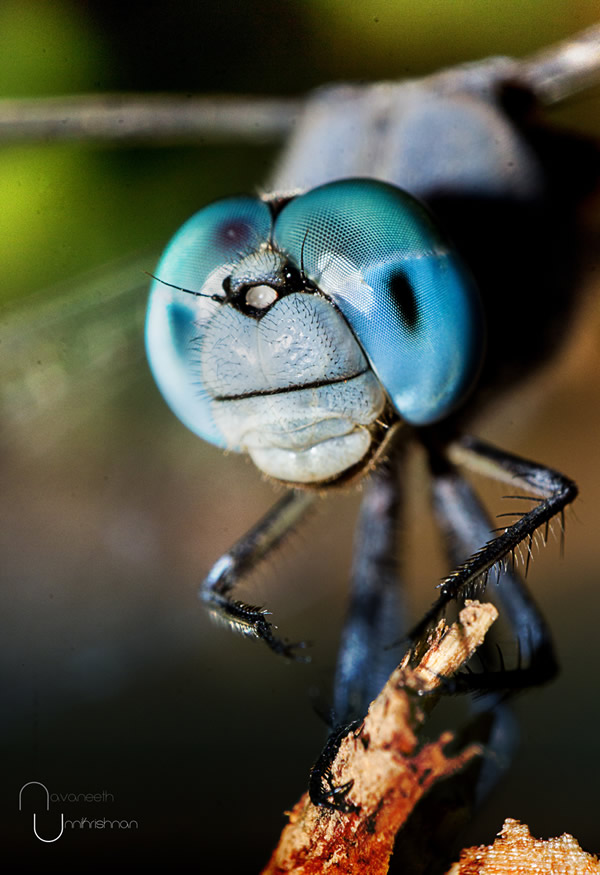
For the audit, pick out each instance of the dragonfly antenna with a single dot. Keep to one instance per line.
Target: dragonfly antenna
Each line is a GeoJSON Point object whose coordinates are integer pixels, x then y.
{"type": "Point", "coordinates": [187, 291]}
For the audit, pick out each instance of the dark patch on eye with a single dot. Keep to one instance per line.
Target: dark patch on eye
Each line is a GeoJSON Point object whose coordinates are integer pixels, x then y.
{"type": "Point", "coordinates": [179, 319]}
{"type": "Point", "coordinates": [234, 234]}
{"type": "Point", "coordinates": [404, 298]}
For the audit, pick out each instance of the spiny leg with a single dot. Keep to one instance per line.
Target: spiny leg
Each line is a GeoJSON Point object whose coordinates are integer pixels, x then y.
{"type": "Point", "coordinates": [321, 787]}
{"type": "Point", "coordinates": [554, 490]}
{"type": "Point", "coordinates": [372, 623]}
{"type": "Point", "coordinates": [466, 526]}
{"type": "Point", "coordinates": [244, 556]}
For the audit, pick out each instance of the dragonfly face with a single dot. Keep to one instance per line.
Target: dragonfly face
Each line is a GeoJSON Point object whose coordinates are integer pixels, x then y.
{"type": "Point", "coordinates": [308, 321]}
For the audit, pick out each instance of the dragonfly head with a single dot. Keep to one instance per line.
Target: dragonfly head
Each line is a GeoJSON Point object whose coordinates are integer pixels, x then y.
{"type": "Point", "coordinates": [312, 326]}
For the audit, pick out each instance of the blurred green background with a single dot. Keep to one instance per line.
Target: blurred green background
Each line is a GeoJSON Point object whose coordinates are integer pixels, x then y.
{"type": "Point", "coordinates": [112, 677]}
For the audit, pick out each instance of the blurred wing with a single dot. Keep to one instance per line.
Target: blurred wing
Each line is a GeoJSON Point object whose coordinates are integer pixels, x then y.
{"type": "Point", "coordinates": [74, 347]}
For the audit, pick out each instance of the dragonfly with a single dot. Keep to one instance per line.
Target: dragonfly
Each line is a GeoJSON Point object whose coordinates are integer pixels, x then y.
{"type": "Point", "coordinates": [324, 326]}
{"type": "Point", "coordinates": [286, 180]}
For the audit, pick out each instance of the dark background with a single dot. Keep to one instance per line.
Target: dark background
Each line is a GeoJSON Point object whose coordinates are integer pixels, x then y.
{"type": "Point", "coordinates": [112, 677]}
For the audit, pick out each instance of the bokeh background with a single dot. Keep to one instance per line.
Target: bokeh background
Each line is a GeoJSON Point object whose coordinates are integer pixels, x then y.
{"type": "Point", "coordinates": [112, 678]}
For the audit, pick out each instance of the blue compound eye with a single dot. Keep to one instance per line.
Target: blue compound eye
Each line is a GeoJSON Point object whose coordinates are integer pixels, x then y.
{"type": "Point", "coordinates": [198, 258]}
{"type": "Point", "coordinates": [376, 252]}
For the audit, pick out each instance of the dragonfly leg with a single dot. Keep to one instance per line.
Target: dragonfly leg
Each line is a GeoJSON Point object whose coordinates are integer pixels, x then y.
{"type": "Point", "coordinates": [365, 659]}
{"type": "Point", "coordinates": [228, 571]}
{"type": "Point", "coordinates": [467, 527]}
{"type": "Point", "coordinates": [374, 613]}
{"type": "Point", "coordinates": [321, 787]}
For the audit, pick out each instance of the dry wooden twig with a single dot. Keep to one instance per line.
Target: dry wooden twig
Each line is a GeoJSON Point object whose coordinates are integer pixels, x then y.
{"type": "Point", "coordinates": [389, 770]}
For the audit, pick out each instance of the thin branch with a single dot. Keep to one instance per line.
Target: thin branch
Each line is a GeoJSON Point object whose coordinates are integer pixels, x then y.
{"type": "Point", "coordinates": [147, 118]}
{"type": "Point", "coordinates": [388, 769]}
{"type": "Point", "coordinates": [552, 74]}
